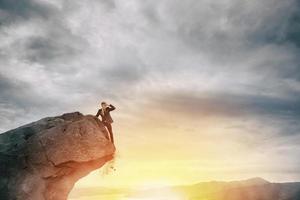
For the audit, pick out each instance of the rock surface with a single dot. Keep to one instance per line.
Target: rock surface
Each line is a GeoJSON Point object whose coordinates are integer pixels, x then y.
{"type": "Point", "coordinates": [44, 159]}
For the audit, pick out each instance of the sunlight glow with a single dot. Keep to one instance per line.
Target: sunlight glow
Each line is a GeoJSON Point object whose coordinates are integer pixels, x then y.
{"type": "Point", "coordinates": [160, 193]}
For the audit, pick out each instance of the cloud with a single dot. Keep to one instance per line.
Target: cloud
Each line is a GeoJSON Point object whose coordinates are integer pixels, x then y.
{"type": "Point", "coordinates": [228, 105]}
{"type": "Point", "coordinates": [13, 11]}
{"type": "Point", "coordinates": [233, 34]}
{"type": "Point", "coordinates": [16, 93]}
{"type": "Point", "coordinates": [47, 49]}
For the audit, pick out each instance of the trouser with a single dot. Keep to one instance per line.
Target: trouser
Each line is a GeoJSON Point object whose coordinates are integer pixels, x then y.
{"type": "Point", "coordinates": [109, 128]}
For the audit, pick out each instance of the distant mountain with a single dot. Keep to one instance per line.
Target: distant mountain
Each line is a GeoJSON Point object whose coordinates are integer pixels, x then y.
{"type": "Point", "coordinates": [249, 182]}
{"type": "Point", "coordinates": [251, 189]}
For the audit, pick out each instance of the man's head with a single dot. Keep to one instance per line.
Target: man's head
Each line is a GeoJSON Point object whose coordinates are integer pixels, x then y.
{"type": "Point", "coordinates": [104, 104]}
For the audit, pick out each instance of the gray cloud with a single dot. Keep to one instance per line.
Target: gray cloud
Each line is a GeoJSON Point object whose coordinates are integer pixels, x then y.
{"type": "Point", "coordinates": [47, 49]}
{"type": "Point", "coordinates": [12, 11]}
{"type": "Point", "coordinates": [13, 91]}
{"type": "Point", "coordinates": [231, 33]}
{"type": "Point", "coordinates": [228, 105]}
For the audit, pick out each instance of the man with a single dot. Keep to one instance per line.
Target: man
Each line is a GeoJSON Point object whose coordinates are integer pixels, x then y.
{"type": "Point", "coordinates": [106, 118]}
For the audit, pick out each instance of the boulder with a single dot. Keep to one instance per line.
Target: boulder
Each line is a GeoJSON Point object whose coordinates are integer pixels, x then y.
{"type": "Point", "coordinates": [44, 159]}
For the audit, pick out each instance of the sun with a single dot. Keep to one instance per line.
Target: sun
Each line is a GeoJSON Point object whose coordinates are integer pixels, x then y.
{"type": "Point", "coordinates": [156, 191]}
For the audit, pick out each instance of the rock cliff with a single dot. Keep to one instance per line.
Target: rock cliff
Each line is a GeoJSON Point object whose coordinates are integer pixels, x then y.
{"type": "Point", "coordinates": [44, 159]}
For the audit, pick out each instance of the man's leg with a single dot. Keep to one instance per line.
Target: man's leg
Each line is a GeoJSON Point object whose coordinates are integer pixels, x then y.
{"type": "Point", "coordinates": [109, 128]}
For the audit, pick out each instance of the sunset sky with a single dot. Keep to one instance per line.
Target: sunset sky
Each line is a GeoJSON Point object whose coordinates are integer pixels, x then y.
{"type": "Point", "coordinates": [204, 90]}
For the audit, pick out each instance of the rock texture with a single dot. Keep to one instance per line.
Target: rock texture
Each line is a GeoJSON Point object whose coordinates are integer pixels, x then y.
{"type": "Point", "coordinates": [44, 159]}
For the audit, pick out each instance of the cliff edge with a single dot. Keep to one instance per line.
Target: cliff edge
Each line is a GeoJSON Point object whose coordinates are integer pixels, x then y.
{"type": "Point", "coordinates": [44, 159]}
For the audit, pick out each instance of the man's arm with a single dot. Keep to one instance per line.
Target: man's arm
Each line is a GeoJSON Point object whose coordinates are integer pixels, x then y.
{"type": "Point", "coordinates": [111, 107]}
{"type": "Point", "coordinates": [98, 113]}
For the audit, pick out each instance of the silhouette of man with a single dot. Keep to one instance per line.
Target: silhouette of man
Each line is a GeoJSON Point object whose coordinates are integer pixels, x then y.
{"type": "Point", "coordinates": [104, 112]}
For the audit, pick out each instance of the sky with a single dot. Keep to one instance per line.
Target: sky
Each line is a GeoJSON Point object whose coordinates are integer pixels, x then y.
{"type": "Point", "coordinates": [204, 90]}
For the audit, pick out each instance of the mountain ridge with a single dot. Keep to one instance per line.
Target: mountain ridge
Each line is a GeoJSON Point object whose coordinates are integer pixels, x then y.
{"type": "Point", "coordinates": [248, 189]}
